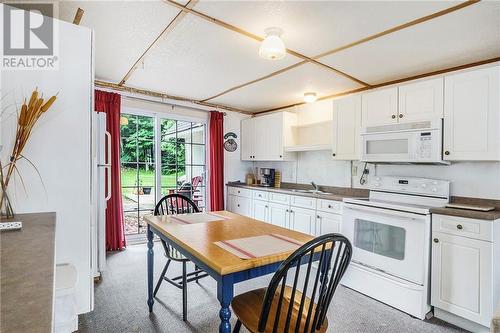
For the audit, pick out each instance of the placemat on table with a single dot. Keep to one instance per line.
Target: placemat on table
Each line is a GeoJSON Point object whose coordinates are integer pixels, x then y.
{"type": "Point", "coordinates": [197, 218]}
{"type": "Point", "coordinates": [259, 246]}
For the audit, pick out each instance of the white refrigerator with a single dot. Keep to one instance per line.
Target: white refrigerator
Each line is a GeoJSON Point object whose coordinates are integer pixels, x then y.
{"type": "Point", "coordinates": [101, 163]}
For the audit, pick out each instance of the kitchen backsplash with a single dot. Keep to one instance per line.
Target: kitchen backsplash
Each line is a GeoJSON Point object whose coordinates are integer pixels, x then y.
{"type": "Point", "coordinates": [471, 179]}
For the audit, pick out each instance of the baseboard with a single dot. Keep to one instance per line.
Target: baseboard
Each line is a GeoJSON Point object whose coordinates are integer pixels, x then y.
{"type": "Point", "coordinates": [460, 322]}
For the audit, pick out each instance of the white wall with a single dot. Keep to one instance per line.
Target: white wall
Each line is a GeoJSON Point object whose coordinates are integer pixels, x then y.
{"type": "Point", "coordinates": [60, 148]}
{"type": "Point", "coordinates": [234, 168]}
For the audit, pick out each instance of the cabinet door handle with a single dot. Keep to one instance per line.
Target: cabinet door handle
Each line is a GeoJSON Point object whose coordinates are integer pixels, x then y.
{"type": "Point", "coordinates": [317, 216]}
{"type": "Point", "coordinates": [400, 115]}
{"type": "Point", "coordinates": [238, 205]}
{"type": "Point", "coordinates": [333, 154]}
{"type": "Point", "coordinates": [436, 240]}
{"type": "Point", "coordinates": [329, 206]}
{"type": "Point", "coordinates": [447, 152]}
{"type": "Point", "coordinates": [393, 116]}
{"type": "Point", "coordinates": [286, 210]}
{"type": "Point", "coordinates": [459, 227]}
{"type": "Point", "coordinates": [281, 156]}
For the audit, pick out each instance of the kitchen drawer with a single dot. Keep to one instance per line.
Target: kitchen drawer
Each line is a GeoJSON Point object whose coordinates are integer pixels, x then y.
{"type": "Point", "coordinates": [461, 226]}
{"type": "Point", "coordinates": [261, 195]}
{"type": "Point", "coordinates": [303, 202]}
{"type": "Point", "coordinates": [280, 198]}
{"type": "Point", "coordinates": [330, 206]}
{"type": "Point", "coordinates": [241, 192]}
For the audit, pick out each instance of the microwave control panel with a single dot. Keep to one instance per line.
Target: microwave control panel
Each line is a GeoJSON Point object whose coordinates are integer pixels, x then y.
{"type": "Point", "coordinates": [425, 145]}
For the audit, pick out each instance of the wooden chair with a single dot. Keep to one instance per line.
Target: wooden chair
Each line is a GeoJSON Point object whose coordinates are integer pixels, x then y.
{"type": "Point", "coordinates": [286, 309]}
{"type": "Point", "coordinates": [169, 205]}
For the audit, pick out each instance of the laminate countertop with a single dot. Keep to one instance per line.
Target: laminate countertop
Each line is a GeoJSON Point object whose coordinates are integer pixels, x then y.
{"type": "Point", "coordinates": [468, 213]}
{"type": "Point", "coordinates": [332, 193]}
{"type": "Point", "coordinates": [27, 274]}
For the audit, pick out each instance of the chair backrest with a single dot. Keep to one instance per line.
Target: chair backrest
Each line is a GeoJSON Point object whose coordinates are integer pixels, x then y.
{"type": "Point", "coordinates": [175, 204]}
{"type": "Point", "coordinates": [195, 182]}
{"type": "Point", "coordinates": [334, 253]}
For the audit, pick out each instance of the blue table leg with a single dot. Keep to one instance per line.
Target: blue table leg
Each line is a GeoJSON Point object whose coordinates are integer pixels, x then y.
{"type": "Point", "coordinates": [225, 291]}
{"type": "Point", "coordinates": [150, 268]}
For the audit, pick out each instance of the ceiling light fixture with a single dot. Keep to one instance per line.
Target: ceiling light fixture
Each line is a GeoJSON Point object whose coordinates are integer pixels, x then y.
{"type": "Point", "coordinates": [310, 97]}
{"type": "Point", "coordinates": [272, 46]}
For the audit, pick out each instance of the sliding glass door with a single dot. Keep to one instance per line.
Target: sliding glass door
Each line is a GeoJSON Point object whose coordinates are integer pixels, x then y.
{"type": "Point", "coordinates": [159, 156]}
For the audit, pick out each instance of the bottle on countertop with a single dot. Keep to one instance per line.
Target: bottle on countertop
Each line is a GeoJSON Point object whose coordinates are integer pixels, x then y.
{"type": "Point", "coordinates": [277, 179]}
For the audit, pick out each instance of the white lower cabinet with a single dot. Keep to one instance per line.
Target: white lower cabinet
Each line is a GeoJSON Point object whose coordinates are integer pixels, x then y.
{"type": "Point", "coordinates": [279, 214]}
{"type": "Point", "coordinates": [300, 213]}
{"type": "Point", "coordinates": [239, 205]}
{"type": "Point", "coordinates": [303, 220]}
{"type": "Point", "coordinates": [327, 223]}
{"type": "Point", "coordinates": [260, 210]}
{"type": "Point", "coordinates": [464, 269]}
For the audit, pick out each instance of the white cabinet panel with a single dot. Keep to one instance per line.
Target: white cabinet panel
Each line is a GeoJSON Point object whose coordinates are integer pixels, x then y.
{"type": "Point", "coordinates": [346, 128]}
{"type": "Point", "coordinates": [303, 220]}
{"type": "Point", "coordinates": [247, 139]}
{"type": "Point", "coordinates": [472, 115]}
{"type": "Point", "coordinates": [330, 206]}
{"type": "Point", "coordinates": [279, 214]}
{"type": "Point", "coordinates": [380, 107]}
{"type": "Point", "coordinates": [460, 226]}
{"type": "Point", "coordinates": [240, 191]}
{"type": "Point", "coordinates": [462, 277]}
{"type": "Point", "coordinates": [328, 223]}
{"type": "Point", "coordinates": [279, 198]}
{"type": "Point", "coordinates": [422, 100]}
{"type": "Point", "coordinates": [303, 202]}
{"type": "Point", "coordinates": [261, 138]}
{"type": "Point", "coordinates": [240, 205]}
{"type": "Point", "coordinates": [260, 210]}
{"type": "Point", "coordinates": [260, 195]}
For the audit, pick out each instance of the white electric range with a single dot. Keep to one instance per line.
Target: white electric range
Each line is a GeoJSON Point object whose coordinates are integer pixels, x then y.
{"type": "Point", "coordinates": [391, 237]}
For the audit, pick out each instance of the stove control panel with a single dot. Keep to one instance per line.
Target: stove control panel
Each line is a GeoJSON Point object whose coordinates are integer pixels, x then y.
{"type": "Point", "coordinates": [411, 185]}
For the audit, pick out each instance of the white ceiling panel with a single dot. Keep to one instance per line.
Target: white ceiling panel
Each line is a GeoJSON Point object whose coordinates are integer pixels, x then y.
{"type": "Point", "coordinates": [199, 59]}
{"type": "Point", "coordinates": [468, 35]}
{"type": "Point", "coordinates": [287, 88]}
{"type": "Point", "coordinates": [313, 27]}
{"type": "Point", "coordinates": [123, 30]}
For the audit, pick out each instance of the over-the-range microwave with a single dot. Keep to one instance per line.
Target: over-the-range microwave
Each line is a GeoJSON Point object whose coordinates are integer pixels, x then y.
{"type": "Point", "coordinates": [417, 142]}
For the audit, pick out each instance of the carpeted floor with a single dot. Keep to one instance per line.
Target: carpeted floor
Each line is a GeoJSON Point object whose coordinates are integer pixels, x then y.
{"type": "Point", "coordinates": [120, 304]}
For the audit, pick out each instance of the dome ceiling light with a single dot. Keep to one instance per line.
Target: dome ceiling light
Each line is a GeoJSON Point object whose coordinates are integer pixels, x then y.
{"type": "Point", "coordinates": [272, 46]}
{"type": "Point", "coordinates": [310, 97]}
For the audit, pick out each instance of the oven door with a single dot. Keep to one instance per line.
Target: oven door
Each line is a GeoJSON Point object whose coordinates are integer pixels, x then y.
{"type": "Point", "coordinates": [390, 241]}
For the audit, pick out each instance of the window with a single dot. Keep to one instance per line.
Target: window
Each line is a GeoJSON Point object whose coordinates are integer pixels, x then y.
{"type": "Point", "coordinates": [148, 173]}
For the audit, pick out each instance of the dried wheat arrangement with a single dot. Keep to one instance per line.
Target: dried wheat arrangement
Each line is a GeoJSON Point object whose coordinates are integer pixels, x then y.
{"type": "Point", "coordinates": [27, 117]}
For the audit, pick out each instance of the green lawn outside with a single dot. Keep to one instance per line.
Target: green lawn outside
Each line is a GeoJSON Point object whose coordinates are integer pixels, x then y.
{"type": "Point", "coordinates": [147, 178]}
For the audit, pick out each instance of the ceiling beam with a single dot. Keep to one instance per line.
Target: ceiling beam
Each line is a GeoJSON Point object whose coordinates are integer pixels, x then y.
{"type": "Point", "coordinates": [260, 39]}
{"type": "Point", "coordinates": [180, 15]}
{"type": "Point", "coordinates": [78, 16]}
{"type": "Point", "coordinates": [355, 43]}
{"type": "Point", "coordinates": [391, 82]}
{"type": "Point", "coordinates": [117, 87]}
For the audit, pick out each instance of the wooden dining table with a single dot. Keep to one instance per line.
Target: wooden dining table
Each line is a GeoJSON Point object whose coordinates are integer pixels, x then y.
{"type": "Point", "coordinates": [196, 242]}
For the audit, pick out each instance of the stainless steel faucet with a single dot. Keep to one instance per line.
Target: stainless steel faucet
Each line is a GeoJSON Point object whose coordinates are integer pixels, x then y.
{"type": "Point", "coordinates": [316, 188]}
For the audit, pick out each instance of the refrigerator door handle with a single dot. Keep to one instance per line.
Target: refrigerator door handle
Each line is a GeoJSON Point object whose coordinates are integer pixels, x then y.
{"type": "Point", "coordinates": [108, 165]}
{"type": "Point", "coordinates": [108, 175]}
{"type": "Point", "coordinates": [108, 136]}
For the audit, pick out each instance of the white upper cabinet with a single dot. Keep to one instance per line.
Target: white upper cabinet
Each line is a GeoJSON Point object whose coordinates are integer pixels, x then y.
{"type": "Point", "coordinates": [263, 138]}
{"type": "Point", "coordinates": [422, 100]}
{"type": "Point", "coordinates": [247, 139]}
{"type": "Point", "coordinates": [380, 107]}
{"type": "Point", "coordinates": [346, 128]}
{"type": "Point", "coordinates": [472, 115]}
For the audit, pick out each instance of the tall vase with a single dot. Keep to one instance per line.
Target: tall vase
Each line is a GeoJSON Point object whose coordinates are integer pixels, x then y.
{"type": "Point", "coordinates": [6, 210]}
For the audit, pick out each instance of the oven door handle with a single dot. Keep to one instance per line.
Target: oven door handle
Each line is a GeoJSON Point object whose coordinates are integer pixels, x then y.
{"type": "Point", "coordinates": [383, 211]}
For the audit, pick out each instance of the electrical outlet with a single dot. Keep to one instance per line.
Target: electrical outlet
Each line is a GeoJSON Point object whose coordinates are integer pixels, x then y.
{"type": "Point", "coordinates": [10, 225]}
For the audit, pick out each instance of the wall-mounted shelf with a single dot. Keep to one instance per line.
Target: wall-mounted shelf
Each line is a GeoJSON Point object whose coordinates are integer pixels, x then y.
{"type": "Point", "coordinates": [312, 137]}
{"type": "Point", "coordinates": [308, 147]}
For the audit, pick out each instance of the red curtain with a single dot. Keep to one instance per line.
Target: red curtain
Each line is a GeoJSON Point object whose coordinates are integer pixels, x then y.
{"type": "Point", "coordinates": [216, 133]}
{"type": "Point", "coordinates": [110, 103]}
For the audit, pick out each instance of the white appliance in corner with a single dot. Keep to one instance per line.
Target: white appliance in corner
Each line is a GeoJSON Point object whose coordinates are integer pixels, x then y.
{"type": "Point", "coordinates": [390, 234]}
{"type": "Point", "coordinates": [102, 193]}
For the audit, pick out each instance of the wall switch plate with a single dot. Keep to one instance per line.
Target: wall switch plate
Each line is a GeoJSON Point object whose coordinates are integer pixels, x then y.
{"type": "Point", "coordinates": [10, 226]}
{"type": "Point", "coordinates": [354, 170]}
